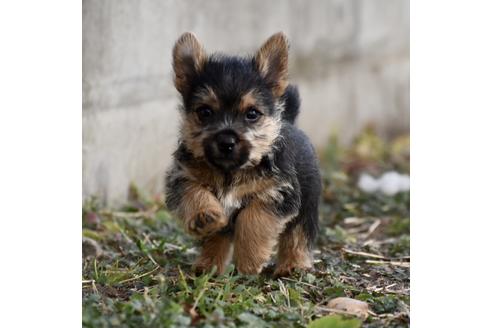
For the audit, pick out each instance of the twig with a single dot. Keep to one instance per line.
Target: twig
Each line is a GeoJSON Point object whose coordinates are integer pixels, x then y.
{"type": "Point", "coordinates": [123, 233]}
{"type": "Point", "coordinates": [378, 243]}
{"type": "Point", "coordinates": [125, 215]}
{"type": "Point", "coordinates": [284, 291]}
{"type": "Point", "coordinates": [354, 221]}
{"type": "Point", "coordinates": [343, 277]}
{"type": "Point", "coordinates": [363, 254]}
{"type": "Point", "coordinates": [375, 289]}
{"type": "Point", "coordinates": [401, 264]}
{"type": "Point", "coordinates": [357, 230]}
{"type": "Point", "coordinates": [198, 298]}
{"type": "Point", "coordinates": [300, 282]}
{"type": "Point", "coordinates": [139, 276]}
{"type": "Point", "coordinates": [94, 286]}
{"type": "Point", "coordinates": [398, 292]}
{"type": "Point", "coordinates": [132, 215]}
{"type": "Point", "coordinates": [372, 228]}
{"type": "Point", "coordinates": [381, 257]}
{"type": "Point", "coordinates": [152, 259]}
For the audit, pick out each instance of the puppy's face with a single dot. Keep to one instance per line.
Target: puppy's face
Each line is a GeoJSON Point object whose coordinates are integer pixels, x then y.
{"type": "Point", "coordinates": [231, 105]}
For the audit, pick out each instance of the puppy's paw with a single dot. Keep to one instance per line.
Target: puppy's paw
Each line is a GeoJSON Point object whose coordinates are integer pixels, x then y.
{"type": "Point", "coordinates": [249, 270]}
{"type": "Point", "coordinates": [250, 265]}
{"type": "Point", "coordinates": [286, 270]}
{"type": "Point", "coordinates": [205, 223]}
{"type": "Point", "coordinates": [202, 266]}
{"type": "Point", "coordinates": [283, 271]}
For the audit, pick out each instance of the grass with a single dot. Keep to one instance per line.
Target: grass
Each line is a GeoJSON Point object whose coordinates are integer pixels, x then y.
{"type": "Point", "coordinates": [137, 260]}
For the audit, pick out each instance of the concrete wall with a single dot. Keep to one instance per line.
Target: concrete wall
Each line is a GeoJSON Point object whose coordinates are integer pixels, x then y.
{"type": "Point", "coordinates": [350, 59]}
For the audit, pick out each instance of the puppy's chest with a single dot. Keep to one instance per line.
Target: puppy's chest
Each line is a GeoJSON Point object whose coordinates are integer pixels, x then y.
{"type": "Point", "coordinates": [238, 196]}
{"type": "Point", "coordinates": [231, 201]}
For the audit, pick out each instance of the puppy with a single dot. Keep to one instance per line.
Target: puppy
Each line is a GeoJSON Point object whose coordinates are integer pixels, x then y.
{"type": "Point", "coordinates": [244, 181]}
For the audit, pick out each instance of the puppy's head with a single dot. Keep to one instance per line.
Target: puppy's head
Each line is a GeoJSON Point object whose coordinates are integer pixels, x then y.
{"type": "Point", "coordinates": [231, 105]}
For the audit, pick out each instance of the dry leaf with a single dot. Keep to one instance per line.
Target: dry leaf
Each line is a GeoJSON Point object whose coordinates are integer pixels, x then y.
{"type": "Point", "coordinates": [351, 306]}
{"type": "Point", "coordinates": [90, 248]}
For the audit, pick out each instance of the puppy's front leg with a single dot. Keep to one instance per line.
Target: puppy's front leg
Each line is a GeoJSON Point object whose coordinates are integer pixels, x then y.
{"type": "Point", "coordinates": [216, 251]}
{"type": "Point", "coordinates": [196, 206]}
{"type": "Point", "coordinates": [255, 235]}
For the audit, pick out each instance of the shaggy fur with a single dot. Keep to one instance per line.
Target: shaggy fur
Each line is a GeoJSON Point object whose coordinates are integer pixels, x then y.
{"type": "Point", "coordinates": [245, 179]}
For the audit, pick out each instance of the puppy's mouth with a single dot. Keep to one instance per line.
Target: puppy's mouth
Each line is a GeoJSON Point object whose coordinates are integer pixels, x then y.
{"type": "Point", "coordinates": [226, 151]}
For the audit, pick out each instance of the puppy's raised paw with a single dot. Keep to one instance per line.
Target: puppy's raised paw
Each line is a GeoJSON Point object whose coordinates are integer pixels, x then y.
{"type": "Point", "coordinates": [206, 222]}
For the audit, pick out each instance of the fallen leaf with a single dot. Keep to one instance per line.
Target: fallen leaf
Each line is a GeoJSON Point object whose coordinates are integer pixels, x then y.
{"type": "Point", "coordinates": [90, 248]}
{"type": "Point", "coordinates": [350, 305]}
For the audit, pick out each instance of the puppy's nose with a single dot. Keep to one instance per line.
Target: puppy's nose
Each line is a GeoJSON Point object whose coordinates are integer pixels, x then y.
{"type": "Point", "coordinates": [226, 142]}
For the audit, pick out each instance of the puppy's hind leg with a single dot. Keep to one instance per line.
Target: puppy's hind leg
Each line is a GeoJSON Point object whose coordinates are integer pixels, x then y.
{"type": "Point", "coordinates": [293, 252]}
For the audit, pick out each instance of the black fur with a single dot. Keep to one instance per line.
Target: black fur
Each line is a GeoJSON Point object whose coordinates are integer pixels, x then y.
{"type": "Point", "coordinates": [174, 189]}
{"type": "Point", "coordinates": [296, 159]}
{"type": "Point", "coordinates": [292, 102]}
{"type": "Point", "coordinates": [230, 77]}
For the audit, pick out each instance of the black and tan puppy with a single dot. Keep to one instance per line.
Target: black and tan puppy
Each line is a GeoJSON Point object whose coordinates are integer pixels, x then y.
{"type": "Point", "coordinates": [245, 180]}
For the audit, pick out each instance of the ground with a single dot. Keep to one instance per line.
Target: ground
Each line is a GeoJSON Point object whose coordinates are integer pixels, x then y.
{"type": "Point", "coordinates": [137, 260]}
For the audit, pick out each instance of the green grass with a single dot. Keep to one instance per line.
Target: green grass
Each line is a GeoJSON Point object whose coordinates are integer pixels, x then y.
{"type": "Point", "coordinates": [142, 274]}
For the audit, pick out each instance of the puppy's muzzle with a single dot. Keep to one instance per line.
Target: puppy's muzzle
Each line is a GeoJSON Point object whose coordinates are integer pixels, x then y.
{"type": "Point", "coordinates": [226, 142]}
{"type": "Point", "coordinates": [226, 150]}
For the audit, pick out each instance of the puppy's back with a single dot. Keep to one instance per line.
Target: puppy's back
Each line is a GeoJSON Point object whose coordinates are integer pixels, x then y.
{"type": "Point", "coordinates": [297, 149]}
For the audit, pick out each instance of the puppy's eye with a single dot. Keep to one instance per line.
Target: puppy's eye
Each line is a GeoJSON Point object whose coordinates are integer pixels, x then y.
{"type": "Point", "coordinates": [252, 115]}
{"type": "Point", "coordinates": [204, 113]}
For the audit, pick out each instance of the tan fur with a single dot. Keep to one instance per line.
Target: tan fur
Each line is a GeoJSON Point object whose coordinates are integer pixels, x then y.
{"type": "Point", "coordinates": [262, 189]}
{"type": "Point", "coordinates": [188, 58]}
{"type": "Point", "coordinates": [206, 96]}
{"type": "Point", "coordinates": [216, 251]}
{"type": "Point", "coordinates": [255, 236]}
{"type": "Point", "coordinates": [200, 172]}
{"type": "Point", "coordinates": [191, 129]}
{"type": "Point", "coordinates": [257, 187]}
{"type": "Point", "coordinates": [293, 252]}
{"type": "Point", "coordinates": [272, 61]}
{"type": "Point", "coordinates": [262, 138]}
{"type": "Point", "coordinates": [245, 182]}
{"type": "Point", "coordinates": [248, 100]}
{"type": "Point", "coordinates": [200, 211]}
{"type": "Point", "coordinates": [265, 131]}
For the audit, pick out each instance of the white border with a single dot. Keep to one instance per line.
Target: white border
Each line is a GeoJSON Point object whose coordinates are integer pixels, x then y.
{"type": "Point", "coordinates": [451, 224]}
{"type": "Point", "coordinates": [41, 164]}
{"type": "Point", "coordinates": [40, 174]}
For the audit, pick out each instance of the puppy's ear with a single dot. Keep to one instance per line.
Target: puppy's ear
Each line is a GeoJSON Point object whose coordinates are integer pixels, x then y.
{"type": "Point", "coordinates": [188, 60]}
{"type": "Point", "coordinates": [272, 62]}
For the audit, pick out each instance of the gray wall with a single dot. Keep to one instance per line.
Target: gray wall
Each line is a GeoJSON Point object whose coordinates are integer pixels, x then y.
{"type": "Point", "coordinates": [350, 59]}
